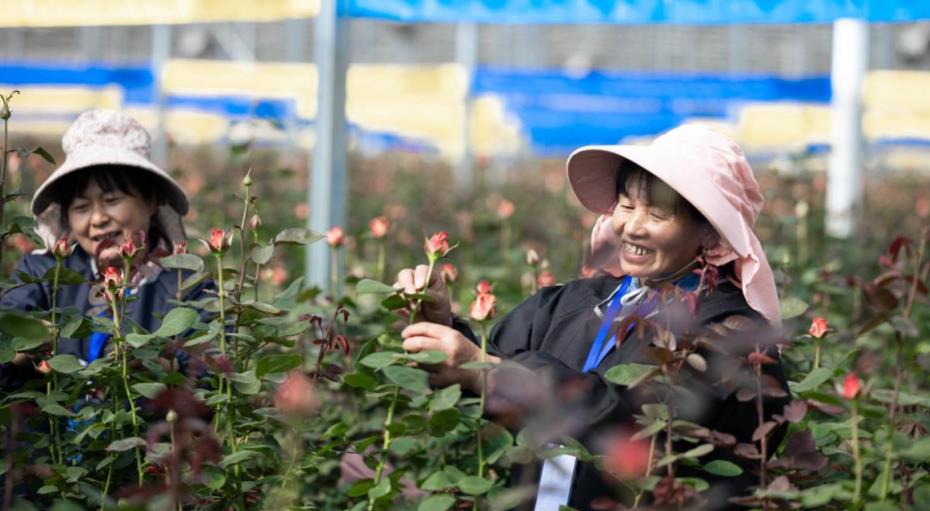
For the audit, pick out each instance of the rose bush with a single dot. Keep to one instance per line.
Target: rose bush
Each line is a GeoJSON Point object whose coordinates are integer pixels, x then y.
{"type": "Point", "coordinates": [290, 398]}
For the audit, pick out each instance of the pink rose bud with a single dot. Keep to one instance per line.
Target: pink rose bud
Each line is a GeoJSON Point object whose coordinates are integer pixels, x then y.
{"type": "Point", "coordinates": [128, 248]}
{"type": "Point", "coordinates": [532, 258]}
{"type": "Point", "coordinates": [255, 222]}
{"type": "Point", "coordinates": [180, 247]}
{"type": "Point", "coordinates": [296, 396]}
{"type": "Point", "coordinates": [483, 308]}
{"type": "Point", "coordinates": [818, 328]}
{"type": "Point", "coordinates": [335, 237]}
{"type": "Point", "coordinates": [379, 226]}
{"type": "Point", "coordinates": [437, 246]}
{"type": "Point", "coordinates": [625, 458]}
{"type": "Point", "coordinates": [851, 386]}
{"type": "Point", "coordinates": [505, 209]}
{"type": "Point", "coordinates": [218, 240]}
{"type": "Point", "coordinates": [545, 279]}
{"type": "Point", "coordinates": [62, 248]}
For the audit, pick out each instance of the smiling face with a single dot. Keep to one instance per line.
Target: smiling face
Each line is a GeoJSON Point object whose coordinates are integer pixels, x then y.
{"type": "Point", "coordinates": [99, 213]}
{"type": "Point", "coordinates": [659, 231]}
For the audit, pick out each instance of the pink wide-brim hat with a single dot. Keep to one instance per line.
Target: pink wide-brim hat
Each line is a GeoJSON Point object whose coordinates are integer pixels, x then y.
{"type": "Point", "coordinates": [708, 170]}
{"type": "Point", "coordinates": [107, 137]}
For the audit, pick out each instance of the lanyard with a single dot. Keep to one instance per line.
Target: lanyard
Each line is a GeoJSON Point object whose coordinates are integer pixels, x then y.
{"type": "Point", "coordinates": [599, 350]}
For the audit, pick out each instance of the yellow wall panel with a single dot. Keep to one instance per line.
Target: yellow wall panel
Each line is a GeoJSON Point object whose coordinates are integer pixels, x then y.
{"type": "Point", "coordinates": [73, 13]}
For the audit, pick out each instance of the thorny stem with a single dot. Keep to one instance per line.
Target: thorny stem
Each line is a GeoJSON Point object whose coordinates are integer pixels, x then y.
{"type": "Point", "coordinates": [53, 385]}
{"type": "Point", "coordinates": [380, 259]}
{"type": "Point", "coordinates": [121, 353]}
{"type": "Point", "coordinates": [763, 442]}
{"type": "Point", "coordinates": [816, 353]}
{"type": "Point", "coordinates": [898, 373]}
{"type": "Point", "coordinates": [6, 143]}
{"type": "Point", "coordinates": [652, 451]}
{"type": "Point", "coordinates": [484, 391]}
{"type": "Point", "coordinates": [857, 458]}
{"type": "Point", "coordinates": [334, 271]}
{"type": "Point", "coordinates": [385, 445]}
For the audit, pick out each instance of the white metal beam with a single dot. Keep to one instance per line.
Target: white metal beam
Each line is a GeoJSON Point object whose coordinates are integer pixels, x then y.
{"type": "Point", "coordinates": [844, 174]}
{"type": "Point", "coordinates": [326, 195]}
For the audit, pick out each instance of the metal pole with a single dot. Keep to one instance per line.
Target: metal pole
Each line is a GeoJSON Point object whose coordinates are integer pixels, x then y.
{"type": "Point", "coordinates": [844, 174]}
{"type": "Point", "coordinates": [327, 192]}
{"type": "Point", "coordinates": [466, 54]}
{"type": "Point", "coordinates": [161, 52]}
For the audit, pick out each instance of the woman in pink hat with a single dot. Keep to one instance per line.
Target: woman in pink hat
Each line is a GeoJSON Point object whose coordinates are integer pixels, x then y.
{"type": "Point", "coordinates": [107, 192]}
{"type": "Point", "coordinates": [675, 245]}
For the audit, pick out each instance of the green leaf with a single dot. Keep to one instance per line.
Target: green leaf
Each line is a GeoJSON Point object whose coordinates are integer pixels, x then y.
{"type": "Point", "coordinates": [404, 445]}
{"type": "Point", "coordinates": [214, 478]}
{"type": "Point", "coordinates": [149, 390]}
{"type": "Point", "coordinates": [73, 328]}
{"type": "Point", "coordinates": [370, 286]}
{"type": "Point", "coordinates": [296, 235]}
{"type": "Point", "coordinates": [427, 357]}
{"type": "Point", "coordinates": [437, 481]}
{"type": "Point", "coordinates": [698, 451]}
{"type": "Point", "coordinates": [381, 489]}
{"type": "Point", "coordinates": [792, 307]}
{"type": "Point", "coordinates": [918, 451]}
{"type": "Point", "coordinates": [66, 277]}
{"type": "Point", "coordinates": [125, 444]}
{"type": "Point", "coordinates": [176, 321]}
{"type": "Point", "coordinates": [246, 382]}
{"type": "Point", "coordinates": [394, 302]}
{"type": "Point", "coordinates": [237, 458]}
{"type": "Point", "coordinates": [17, 325]}
{"type": "Point", "coordinates": [628, 374]}
{"type": "Point", "coordinates": [409, 378]}
{"type": "Point", "coordinates": [474, 485]}
{"type": "Point", "coordinates": [360, 488]}
{"type": "Point", "coordinates": [440, 502]}
{"type": "Point", "coordinates": [444, 421]}
{"type": "Point", "coordinates": [813, 380]}
{"type": "Point", "coordinates": [261, 254]}
{"type": "Point", "coordinates": [922, 497]}
{"type": "Point", "coordinates": [56, 409]}
{"type": "Point", "coordinates": [139, 340]}
{"type": "Point", "coordinates": [445, 398]}
{"type": "Point", "coordinates": [190, 262]}
{"type": "Point", "coordinates": [6, 353]}
{"type": "Point", "coordinates": [723, 468]}
{"type": "Point", "coordinates": [277, 363]}
{"type": "Point", "coordinates": [360, 380]}
{"type": "Point", "coordinates": [65, 364]}
{"type": "Point", "coordinates": [380, 360]}
{"type": "Point", "coordinates": [44, 154]}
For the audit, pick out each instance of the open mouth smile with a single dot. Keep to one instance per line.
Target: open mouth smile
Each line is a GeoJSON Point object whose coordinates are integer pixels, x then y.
{"type": "Point", "coordinates": [107, 236]}
{"type": "Point", "coordinates": [635, 250]}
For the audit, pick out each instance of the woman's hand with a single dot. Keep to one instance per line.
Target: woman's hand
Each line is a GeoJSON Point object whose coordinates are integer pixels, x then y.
{"type": "Point", "coordinates": [413, 280]}
{"type": "Point", "coordinates": [458, 350]}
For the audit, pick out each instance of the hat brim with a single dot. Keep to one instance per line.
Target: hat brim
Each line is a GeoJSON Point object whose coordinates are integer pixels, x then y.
{"type": "Point", "coordinates": [92, 156]}
{"type": "Point", "coordinates": [593, 172]}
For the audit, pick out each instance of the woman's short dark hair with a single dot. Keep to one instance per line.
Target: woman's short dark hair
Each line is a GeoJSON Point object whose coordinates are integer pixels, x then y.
{"type": "Point", "coordinates": [658, 193]}
{"type": "Point", "coordinates": [129, 180]}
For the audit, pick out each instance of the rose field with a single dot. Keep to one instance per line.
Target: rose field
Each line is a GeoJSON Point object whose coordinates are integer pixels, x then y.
{"type": "Point", "coordinates": [275, 394]}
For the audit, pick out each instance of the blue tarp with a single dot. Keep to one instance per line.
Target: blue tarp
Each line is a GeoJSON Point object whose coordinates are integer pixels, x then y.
{"type": "Point", "coordinates": [637, 11]}
{"type": "Point", "coordinates": [559, 112]}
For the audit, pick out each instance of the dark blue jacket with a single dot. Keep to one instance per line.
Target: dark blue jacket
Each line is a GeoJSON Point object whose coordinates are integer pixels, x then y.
{"type": "Point", "coordinates": [151, 302]}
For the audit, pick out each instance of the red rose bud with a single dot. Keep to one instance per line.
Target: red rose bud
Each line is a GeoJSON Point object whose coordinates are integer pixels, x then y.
{"type": "Point", "coordinates": [379, 226]}
{"type": "Point", "coordinates": [112, 277]}
{"type": "Point", "coordinates": [335, 237]}
{"type": "Point", "coordinates": [62, 248]}
{"type": "Point", "coordinates": [851, 386]}
{"type": "Point", "coordinates": [505, 209]}
{"type": "Point", "coordinates": [437, 246]}
{"type": "Point", "coordinates": [43, 367]}
{"type": "Point", "coordinates": [545, 279]}
{"type": "Point", "coordinates": [128, 248]}
{"type": "Point", "coordinates": [626, 458]}
{"type": "Point", "coordinates": [296, 396]}
{"type": "Point", "coordinates": [180, 247]}
{"type": "Point", "coordinates": [218, 240]}
{"type": "Point", "coordinates": [448, 272]}
{"type": "Point", "coordinates": [818, 328]}
{"type": "Point", "coordinates": [484, 288]}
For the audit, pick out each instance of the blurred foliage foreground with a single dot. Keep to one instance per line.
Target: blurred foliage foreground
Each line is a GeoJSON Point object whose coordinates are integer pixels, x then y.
{"type": "Point", "coordinates": [295, 399]}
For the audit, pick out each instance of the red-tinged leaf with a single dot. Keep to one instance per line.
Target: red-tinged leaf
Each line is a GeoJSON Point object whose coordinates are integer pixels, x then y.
{"type": "Point", "coordinates": [886, 278]}
{"type": "Point", "coordinates": [763, 430]}
{"type": "Point", "coordinates": [834, 410]}
{"type": "Point", "coordinates": [746, 394]}
{"type": "Point", "coordinates": [885, 261]}
{"type": "Point", "coordinates": [723, 439]}
{"type": "Point", "coordinates": [748, 451]}
{"type": "Point", "coordinates": [878, 298]}
{"type": "Point", "coordinates": [341, 339]}
{"type": "Point", "coordinates": [896, 246]}
{"type": "Point", "coordinates": [795, 411]}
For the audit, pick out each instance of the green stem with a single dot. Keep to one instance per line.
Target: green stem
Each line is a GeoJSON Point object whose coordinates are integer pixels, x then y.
{"type": "Point", "coordinates": [816, 353]}
{"type": "Point", "coordinates": [222, 296]}
{"type": "Point", "coordinates": [6, 142]}
{"type": "Point", "coordinates": [124, 373]}
{"type": "Point", "coordinates": [380, 260]}
{"type": "Point", "coordinates": [386, 444]}
{"type": "Point", "coordinates": [53, 385]}
{"type": "Point", "coordinates": [334, 272]}
{"type": "Point", "coordinates": [857, 458]}
{"type": "Point", "coordinates": [484, 385]}
{"type": "Point", "coordinates": [106, 487]}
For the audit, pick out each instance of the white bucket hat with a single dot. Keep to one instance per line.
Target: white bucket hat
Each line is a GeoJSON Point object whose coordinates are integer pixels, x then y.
{"type": "Point", "coordinates": [106, 137]}
{"type": "Point", "coordinates": [709, 171]}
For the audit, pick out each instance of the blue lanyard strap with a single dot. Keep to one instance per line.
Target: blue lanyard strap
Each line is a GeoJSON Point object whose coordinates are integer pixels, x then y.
{"type": "Point", "coordinates": [598, 349]}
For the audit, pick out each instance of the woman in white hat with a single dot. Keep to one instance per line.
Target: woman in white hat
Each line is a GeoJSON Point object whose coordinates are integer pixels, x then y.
{"type": "Point", "coordinates": [675, 245]}
{"type": "Point", "coordinates": [106, 192]}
